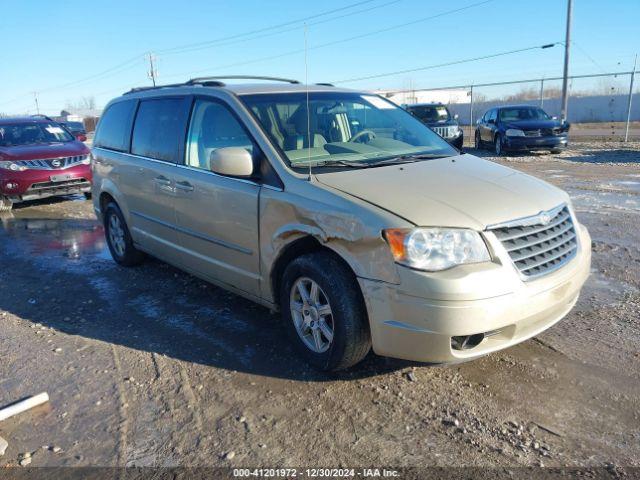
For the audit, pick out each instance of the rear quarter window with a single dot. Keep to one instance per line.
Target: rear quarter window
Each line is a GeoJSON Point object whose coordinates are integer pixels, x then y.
{"type": "Point", "coordinates": [115, 126]}
{"type": "Point", "coordinates": [159, 129]}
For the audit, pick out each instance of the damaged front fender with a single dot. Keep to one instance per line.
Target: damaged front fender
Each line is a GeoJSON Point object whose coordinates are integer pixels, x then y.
{"type": "Point", "coordinates": [353, 233]}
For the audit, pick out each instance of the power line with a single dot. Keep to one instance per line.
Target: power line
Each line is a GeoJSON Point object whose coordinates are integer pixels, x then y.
{"type": "Point", "coordinates": [279, 32]}
{"type": "Point", "coordinates": [264, 29]}
{"type": "Point", "coordinates": [439, 65]}
{"type": "Point", "coordinates": [131, 62]}
{"type": "Point", "coordinates": [335, 42]}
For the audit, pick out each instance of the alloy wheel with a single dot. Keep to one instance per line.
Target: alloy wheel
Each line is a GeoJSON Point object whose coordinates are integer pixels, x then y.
{"type": "Point", "coordinates": [116, 235]}
{"type": "Point", "coordinates": [311, 315]}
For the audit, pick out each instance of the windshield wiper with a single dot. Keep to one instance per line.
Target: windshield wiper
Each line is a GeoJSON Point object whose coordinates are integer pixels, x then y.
{"type": "Point", "coordinates": [332, 163]}
{"type": "Point", "coordinates": [408, 159]}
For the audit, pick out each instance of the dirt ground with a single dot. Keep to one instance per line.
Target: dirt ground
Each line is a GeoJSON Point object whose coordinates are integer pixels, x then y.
{"type": "Point", "coordinates": [152, 367]}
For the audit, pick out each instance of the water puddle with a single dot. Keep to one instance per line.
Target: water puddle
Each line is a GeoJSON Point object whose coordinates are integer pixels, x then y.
{"type": "Point", "coordinates": [70, 238]}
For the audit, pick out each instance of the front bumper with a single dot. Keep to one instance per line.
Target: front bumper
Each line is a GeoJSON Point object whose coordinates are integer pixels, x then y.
{"type": "Point", "coordinates": [456, 141]}
{"type": "Point", "coordinates": [417, 319]}
{"type": "Point", "coordinates": [555, 142]}
{"type": "Point", "coordinates": [34, 184]}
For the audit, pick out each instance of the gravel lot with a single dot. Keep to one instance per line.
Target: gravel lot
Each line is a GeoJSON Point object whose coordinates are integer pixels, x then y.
{"type": "Point", "coordinates": [153, 367]}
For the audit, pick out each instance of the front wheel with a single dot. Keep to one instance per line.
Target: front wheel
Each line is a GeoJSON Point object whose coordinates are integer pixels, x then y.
{"type": "Point", "coordinates": [119, 239]}
{"type": "Point", "coordinates": [478, 142]}
{"type": "Point", "coordinates": [324, 312]}
{"type": "Point", "coordinates": [5, 204]}
{"type": "Point", "coordinates": [499, 147]}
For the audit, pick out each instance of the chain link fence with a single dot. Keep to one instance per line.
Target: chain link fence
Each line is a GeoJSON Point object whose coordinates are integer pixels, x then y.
{"type": "Point", "coordinates": [603, 106]}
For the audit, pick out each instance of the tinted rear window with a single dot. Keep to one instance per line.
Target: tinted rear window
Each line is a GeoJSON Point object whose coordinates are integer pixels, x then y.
{"type": "Point", "coordinates": [114, 126]}
{"type": "Point", "coordinates": [160, 128]}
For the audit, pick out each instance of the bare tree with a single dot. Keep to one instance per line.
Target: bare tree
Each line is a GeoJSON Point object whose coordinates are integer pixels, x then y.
{"type": "Point", "coordinates": [88, 103]}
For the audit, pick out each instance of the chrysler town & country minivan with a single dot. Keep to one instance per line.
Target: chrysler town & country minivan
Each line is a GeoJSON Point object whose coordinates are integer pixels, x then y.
{"type": "Point", "coordinates": [341, 210]}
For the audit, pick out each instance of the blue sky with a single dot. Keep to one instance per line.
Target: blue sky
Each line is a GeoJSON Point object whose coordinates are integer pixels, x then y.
{"type": "Point", "coordinates": [73, 49]}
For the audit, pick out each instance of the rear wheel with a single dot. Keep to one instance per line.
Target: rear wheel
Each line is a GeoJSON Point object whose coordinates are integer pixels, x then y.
{"type": "Point", "coordinates": [119, 239]}
{"type": "Point", "coordinates": [5, 204]}
{"type": "Point", "coordinates": [323, 311]}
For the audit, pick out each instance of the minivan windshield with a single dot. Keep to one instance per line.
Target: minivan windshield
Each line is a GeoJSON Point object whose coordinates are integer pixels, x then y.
{"type": "Point", "coordinates": [32, 133]}
{"type": "Point", "coordinates": [513, 114]}
{"type": "Point", "coordinates": [431, 113]}
{"type": "Point", "coordinates": [344, 129]}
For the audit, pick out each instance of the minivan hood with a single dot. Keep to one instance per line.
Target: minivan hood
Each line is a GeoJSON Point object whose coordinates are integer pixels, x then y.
{"type": "Point", "coordinates": [43, 151]}
{"type": "Point", "coordinates": [462, 191]}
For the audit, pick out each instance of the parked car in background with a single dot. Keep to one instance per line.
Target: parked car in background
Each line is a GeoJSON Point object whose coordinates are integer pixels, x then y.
{"type": "Point", "coordinates": [343, 211]}
{"type": "Point", "coordinates": [520, 128]}
{"type": "Point", "coordinates": [438, 117]}
{"type": "Point", "coordinates": [77, 130]}
{"type": "Point", "coordinates": [38, 159]}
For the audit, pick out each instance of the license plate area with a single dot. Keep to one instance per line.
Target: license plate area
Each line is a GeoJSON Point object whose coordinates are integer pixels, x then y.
{"type": "Point", "coordinates": [63, 177]}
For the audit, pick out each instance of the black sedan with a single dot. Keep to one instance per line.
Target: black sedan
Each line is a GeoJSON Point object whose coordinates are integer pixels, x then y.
{"type": "Point", "coordinates": [520, 129]}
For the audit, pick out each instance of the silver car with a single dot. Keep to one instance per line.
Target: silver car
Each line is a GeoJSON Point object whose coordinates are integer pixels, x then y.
{"type": "Point", "coordinates": [341, 210]}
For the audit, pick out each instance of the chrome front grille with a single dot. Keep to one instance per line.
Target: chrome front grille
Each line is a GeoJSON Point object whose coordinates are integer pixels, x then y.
{"type": "Point", "coordinates": [446, 132]}
{"type": "Point", "coordinates": [541, 244]}
{"type": "Point", "coordinates": [52, 163]}
{"type": "Point", "coordinates": [532, 133]}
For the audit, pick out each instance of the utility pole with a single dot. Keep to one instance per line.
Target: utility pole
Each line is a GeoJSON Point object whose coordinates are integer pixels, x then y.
{"type": "Point", "coordinates": [153, 73]}
{"type": "Point", "coordinates": [633, 74]}
{"type": "Point", "coordinates": [542, 93]}
{"type": "Point", "coordinates": [35, 96]}
{"type": "Point", "coordinates": [565, 78]}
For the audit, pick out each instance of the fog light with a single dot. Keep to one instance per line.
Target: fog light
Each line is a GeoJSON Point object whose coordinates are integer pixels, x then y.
{"type": "Point", "coordinates": [11, 186]}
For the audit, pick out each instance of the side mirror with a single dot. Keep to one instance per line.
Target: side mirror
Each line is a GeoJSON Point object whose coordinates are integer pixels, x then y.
{"type": "Point", "coordinates": [456, 116]}
{"type": "Point", "coordinates": [231, 162]}
{"type": "Point", "coordinates": [81, 138]}
{"type": "Point", "coordinates": [492, 121]}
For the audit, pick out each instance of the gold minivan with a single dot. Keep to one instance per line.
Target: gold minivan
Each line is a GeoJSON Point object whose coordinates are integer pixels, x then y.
{"type": "Point", "coordinates": [339, 208]}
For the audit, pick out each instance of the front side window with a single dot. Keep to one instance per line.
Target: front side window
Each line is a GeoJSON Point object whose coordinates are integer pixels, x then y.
{"type": "Point", "coordinates": [114, 126]}
{"type": "Point", "coordinates": [522, 113]}
{"type": "Point", "coordinates": [360, 129]}
{"type": "Point", "coordinates": [32, 134]}
{"type": "Point", "coordinates": [212, 127]}
{"type": "Point", "coordinates": [159, 128]}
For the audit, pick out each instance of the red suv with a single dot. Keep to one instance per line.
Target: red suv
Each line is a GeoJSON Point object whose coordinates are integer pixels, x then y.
{"type": "Point", "coordinates": [39, 158]}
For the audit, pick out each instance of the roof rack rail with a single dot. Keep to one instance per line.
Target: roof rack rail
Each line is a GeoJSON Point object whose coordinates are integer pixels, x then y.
{"type": "Point", "coordinates": [211, 82]}
{"type": "Point", "coordinates": [325, 84]}
{"type": "Point", "coordinates": [154, 87]}
{"type": "Point", "coordinates": [206, 80]}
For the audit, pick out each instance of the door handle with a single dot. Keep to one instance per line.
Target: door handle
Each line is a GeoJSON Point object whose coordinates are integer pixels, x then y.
{"type": "Point", "coordinates": [184, 186]}
{"type": "Point", "coordinates": [163, 181]}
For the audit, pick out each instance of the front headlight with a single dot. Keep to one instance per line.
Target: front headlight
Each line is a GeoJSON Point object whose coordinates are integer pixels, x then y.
{"type": "Point", "coordinates": [514, 132]}
{"type": "Point", "coordinates": [14, 167]}
{"type": "Point", "coordinates": [433, 249]}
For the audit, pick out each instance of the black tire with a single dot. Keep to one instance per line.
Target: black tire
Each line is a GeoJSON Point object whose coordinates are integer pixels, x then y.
{"type": "Point", "coordinates": [556, 151]}
{"type": "Point", "coordinates": [478, 141]}
{"type": "Point", "coordinates": [351, 336]}
{"type": "Point", "coordinates": [126, 255]}
{"type": "Point", "coordinates": [5, 204]}
{"type": "Point", "coordinates": [498, 146]}
{"type": "Point", "coordinates": [87, 195]}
